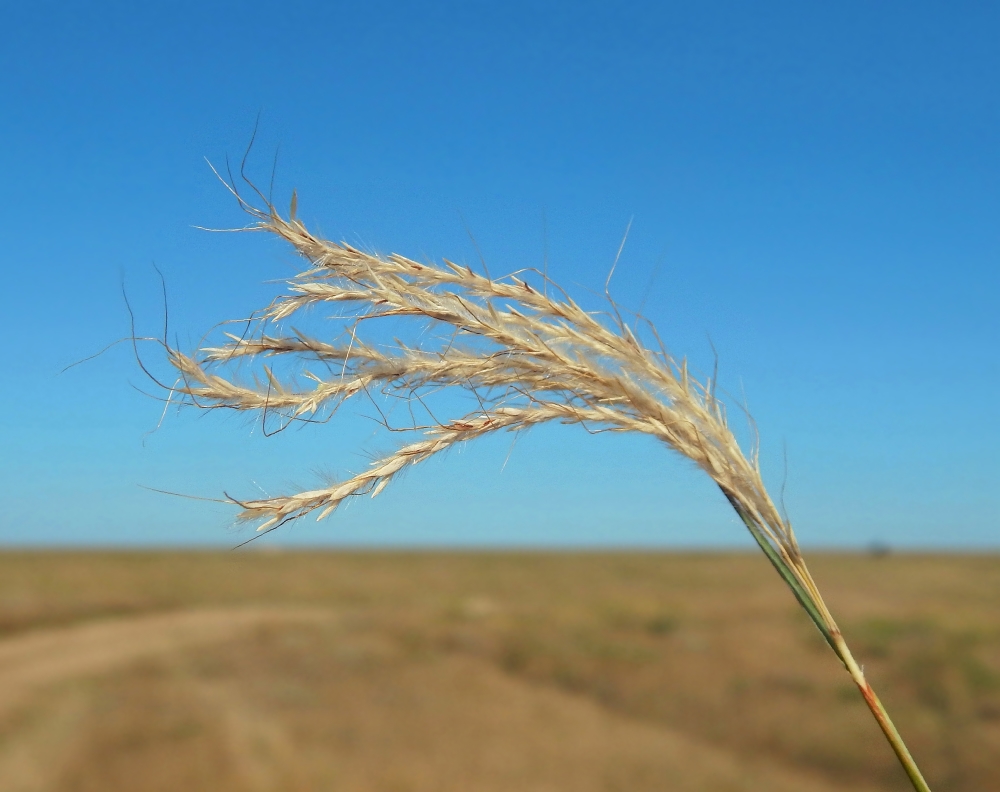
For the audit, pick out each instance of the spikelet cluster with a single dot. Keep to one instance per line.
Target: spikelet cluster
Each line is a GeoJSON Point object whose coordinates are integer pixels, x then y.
{"type": "Point", "coordinates": [528, 356]}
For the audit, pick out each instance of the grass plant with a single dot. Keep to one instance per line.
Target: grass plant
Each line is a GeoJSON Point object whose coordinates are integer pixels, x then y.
{"type": "Point", "coordinates": [528, 354]}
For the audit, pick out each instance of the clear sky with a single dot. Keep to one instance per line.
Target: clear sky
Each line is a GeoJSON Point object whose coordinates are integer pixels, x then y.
{"type": "Point", "coordinates": [815, 187]}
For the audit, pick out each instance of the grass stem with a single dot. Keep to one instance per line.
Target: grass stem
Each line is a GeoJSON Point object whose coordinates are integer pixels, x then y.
{"type": "Point", "coordinates": [820, 616]}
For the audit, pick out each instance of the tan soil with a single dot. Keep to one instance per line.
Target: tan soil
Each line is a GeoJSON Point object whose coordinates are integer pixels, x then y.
{"type": "Point", "coordinates": [443, 723]}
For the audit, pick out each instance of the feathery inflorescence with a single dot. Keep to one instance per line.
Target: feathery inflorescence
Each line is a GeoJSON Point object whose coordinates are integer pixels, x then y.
{"type": "Point", "coordinates": [527, 358]}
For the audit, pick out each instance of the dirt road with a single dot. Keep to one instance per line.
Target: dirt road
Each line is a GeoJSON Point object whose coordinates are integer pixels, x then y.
{"type": "Point", "coordinates": [47, 657]}
{"type": "Point", "coordinates": [445, 723]}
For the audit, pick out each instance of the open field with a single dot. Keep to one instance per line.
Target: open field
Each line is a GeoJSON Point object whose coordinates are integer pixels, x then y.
{"type": "Point", "coordinates": [488, 671]}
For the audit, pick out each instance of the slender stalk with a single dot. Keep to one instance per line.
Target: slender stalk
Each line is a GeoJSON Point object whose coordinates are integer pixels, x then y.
{"type": "Point", "coordinates": [821, 617]}
{"type": "Point", "coordinates": [881, 716]}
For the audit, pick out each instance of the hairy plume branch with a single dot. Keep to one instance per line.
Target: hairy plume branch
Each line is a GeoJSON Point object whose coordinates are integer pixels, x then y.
{"type": "Point", "coordinates": [528, 356]}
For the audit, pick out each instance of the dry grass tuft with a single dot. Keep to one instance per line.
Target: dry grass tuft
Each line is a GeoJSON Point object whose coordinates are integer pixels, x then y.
{"type": "Point", "coordinates": [525, 356]}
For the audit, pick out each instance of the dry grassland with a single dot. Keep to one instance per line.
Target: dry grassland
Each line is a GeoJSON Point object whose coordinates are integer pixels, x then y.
{"type": "Point", "coordinates": [461, 671]}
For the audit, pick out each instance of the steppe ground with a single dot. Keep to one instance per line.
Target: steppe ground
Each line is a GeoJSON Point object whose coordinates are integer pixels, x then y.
{"type": "Point", "coordinates": [457, 672]}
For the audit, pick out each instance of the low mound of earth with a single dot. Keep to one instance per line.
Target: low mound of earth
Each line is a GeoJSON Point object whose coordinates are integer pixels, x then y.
{"type": "Point", "coordinates": [306, 699]}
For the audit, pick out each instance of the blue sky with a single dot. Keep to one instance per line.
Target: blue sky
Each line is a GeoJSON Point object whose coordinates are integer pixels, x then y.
{"type": "Point", "coordinates": [814, 188]}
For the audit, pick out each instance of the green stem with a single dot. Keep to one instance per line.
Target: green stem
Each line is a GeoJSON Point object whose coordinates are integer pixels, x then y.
{"type": "Point", "coordinates": [881, 716]}
{"type": "Point", "coordinates": [787, 575]}
{"type": "Point", "coordinates": [836, 641]}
